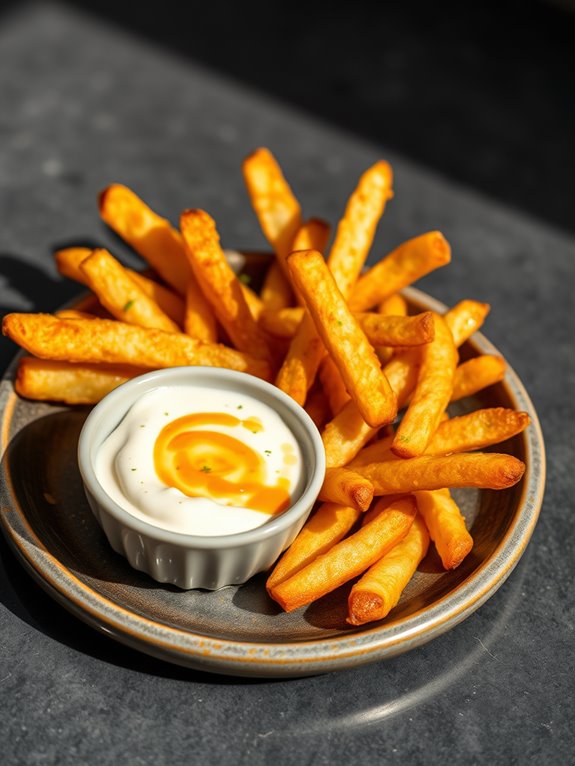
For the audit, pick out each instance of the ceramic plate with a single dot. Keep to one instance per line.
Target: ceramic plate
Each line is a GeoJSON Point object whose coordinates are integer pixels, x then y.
{"type": "Point", "coordinates": [239, 630]}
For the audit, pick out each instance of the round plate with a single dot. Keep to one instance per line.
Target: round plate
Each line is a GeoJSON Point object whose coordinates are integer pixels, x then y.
{"type": "Point", "coordinates": [239, 630]}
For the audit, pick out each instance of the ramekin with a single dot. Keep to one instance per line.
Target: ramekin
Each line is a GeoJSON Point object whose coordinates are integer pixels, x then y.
{"type": "Point", "coordinates": [194, 561]}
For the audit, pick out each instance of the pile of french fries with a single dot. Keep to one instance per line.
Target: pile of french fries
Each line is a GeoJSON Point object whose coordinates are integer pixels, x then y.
{"type": "Point", "coordinates": [334, 337]}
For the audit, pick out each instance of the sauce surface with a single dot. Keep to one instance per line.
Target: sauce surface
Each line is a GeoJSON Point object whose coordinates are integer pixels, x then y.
{"type": "Point", "coordinates": [201, 461]}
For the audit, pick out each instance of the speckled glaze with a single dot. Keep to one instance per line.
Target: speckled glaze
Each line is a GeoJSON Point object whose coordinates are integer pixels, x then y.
{"type": "Point", "coordinates": [239, 630]}
{"type": "Point", "coordinates": [191, 561]}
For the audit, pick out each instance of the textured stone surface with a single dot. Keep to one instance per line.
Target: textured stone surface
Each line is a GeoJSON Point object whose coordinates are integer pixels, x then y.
{"type": "Point", "coordinates": [81, 106]}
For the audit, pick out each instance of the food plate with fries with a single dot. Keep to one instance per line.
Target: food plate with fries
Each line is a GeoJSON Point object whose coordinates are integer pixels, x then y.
{"type": "Point", "coordinates": [419, 519]}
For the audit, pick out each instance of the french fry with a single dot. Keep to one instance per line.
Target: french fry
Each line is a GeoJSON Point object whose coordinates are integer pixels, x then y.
{"type": "Point", "coordinates": [341, 335]}
{"type": "Point", "coordinates": [476, 374]}
{"type": "Point", "coordinates": [394, 305]}
{"type": "Point", "coordinates": [487, 470]}
{"type": "Point", "coordinates": [431, 396]}
{"type": "Point", "coordinates": [69, 260]}
{"type": "Point", "coordinates": [380, 588]}
{"type": "Point", "coordinates": [297, 372]}
{"type": "Point", "coordinates": [317, 407]}
{"type": "Point", "coordinates": [283, 323]}
{"type": "Point", "coordinates": [274, 203]}
{"type": "Point", "coordinates": [120, 294]}
{"type": "Point", "coordinates": [346, 487]}
{"type": "Point", "coordinates": [465, 318]}
{"type": "Point", "coordinates": [446, 526]}
{"type": "Point", "coordinates": [219, 283]}
{"type": "Point", "coordinates": [333, 385]}
{"type": "Point", "coordinates": [47, 380]}
{"type": "Point", "coordinates": [253, 300]}
{"type": "Point", "coordinates": [348, 559]}
{"type": "Point", "coordinates": [161, 245]}
{"type": "Point", "coordinates": [329, 524]}
{"type": "Point", "coordinates": [94, 341]}
{"type": "Point", "coordinates": [409, 262]}
{"type": "Point", "coordinates": [477, 430]}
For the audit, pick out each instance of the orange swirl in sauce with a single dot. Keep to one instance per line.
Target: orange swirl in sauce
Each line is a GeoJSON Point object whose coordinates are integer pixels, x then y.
{"type": "Point", "coordinates": [204, 463]}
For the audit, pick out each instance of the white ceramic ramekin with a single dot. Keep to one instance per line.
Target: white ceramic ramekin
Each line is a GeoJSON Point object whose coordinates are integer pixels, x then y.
{"type": "Point", "coordinates": [193, 561]}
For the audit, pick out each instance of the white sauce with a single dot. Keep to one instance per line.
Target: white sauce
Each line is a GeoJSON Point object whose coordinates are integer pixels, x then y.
{"type": "Point", "coordinates": [126, 471]}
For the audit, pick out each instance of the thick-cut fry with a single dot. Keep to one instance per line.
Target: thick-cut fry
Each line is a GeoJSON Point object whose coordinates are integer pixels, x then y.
{"type": "Point", "coordinates": [283, 323]}
{"type": "Point", "coordinates": [273, 201]}
{"type": "Point", "coordinates": [409, 262]}
{"type": "Point", "coordinates": [465, 318]}
{"type": "Point", "coordinates": [253, 300]}
{"type": "Point", "coordinates": [333, 385]}
{"type": "Point", "coordinates": [299, 367]}
{"type": "Point", "coordinates": [219, 283]}
{"type": "Point", "coordinates": [477, 430]}
{"type": "Point", "coordinates": [356, 229]}
{"type": "Point", "coordinates": [488, 470]}
{"type": "Point", "coordinates": [446, 526]}
{"type": "Point", "coordinates": [476, 374]}
{"type": "Point", "coordinates": [431, 396]}
{"type": "Point", "coordinates": [346, 488]}
{"type": "Point", "coordinates": [46, 380]}
{"type": "Point", "coordinates": [103, 340]}
{"type": "Point", "coordinates": [69, 260]}
{"type": "Point", "coordinates": [347, 559]}
{"type": "Point", "coordinates": [394, 305]}
{"type": "Point", "coordinates": [380, 588]}
{"type": "Point", "coordinates": [326, 527]}
{"type": "Point", "coordinates": [152, 236]}
{"type": "Point", "coordinates": [342, 336]}
{"type": "Point", "coordinates": [120, 294]}
{"type": "Point", "coordinates": [161, 245]}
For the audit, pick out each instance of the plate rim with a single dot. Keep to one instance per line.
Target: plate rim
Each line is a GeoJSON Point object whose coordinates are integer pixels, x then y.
{"type": "Point", "coordinates": [296, 658]}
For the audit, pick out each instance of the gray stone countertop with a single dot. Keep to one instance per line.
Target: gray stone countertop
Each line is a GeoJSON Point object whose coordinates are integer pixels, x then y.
{"type": "Point", "coordinates": [81, 106]}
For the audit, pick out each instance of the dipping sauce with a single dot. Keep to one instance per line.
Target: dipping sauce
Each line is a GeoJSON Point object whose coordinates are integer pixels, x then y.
{"type": "Point", "coordinates": [201, 461]}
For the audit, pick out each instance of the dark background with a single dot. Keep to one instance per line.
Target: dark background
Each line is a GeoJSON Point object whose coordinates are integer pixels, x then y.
{"type": "Point", "coordinates": [481, 92]}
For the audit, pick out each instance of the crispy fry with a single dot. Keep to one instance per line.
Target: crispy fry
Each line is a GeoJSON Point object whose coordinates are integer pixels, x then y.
{"type": "Point", "coordinates": [47, 380]}
{"type": "Point", "coordinates": [488, 470]}
{"type": "Point", "coordinates": [409, 262]}
{"type": "Point", "coordinates": [476, 374]}
{"type": "Point", "coordinates": [431, 396]}
{"type": "Point", "coordinates": [346, 488]}
{"type": "Point", "coordinates": [297, 373]}
{"type": "Point", "coordinates": [120, 294]}
{"type": "Point", "coordinates": [102, 340]}
{"type": "Point", "coordinates": [68, 262]}
{"type": "Point", "coordinates": [394, 305]}
{"type": "Point", "coordinates": [384, 330]}
{"type": "Point", "coordinates": [219, 283]}
{"type": "Point", "coordinates": [348, 559]}
{"type": "Point", "coordinates": [465, 318]}
{"type": "Point", "coordinates": [161, 245]}
{"type": "Point", "coordinates": [380, 588]}
{"type": "Point", "coordinates": [477, 430]}
{"type": "Point", "coordinates": [253, 300]}
{"type": "Point", "coordinates": [333, 385]}
{"type": "Point", "coordinates": [273, 201]}
{"type": "Point", "coordinates": [326, 527]}
{"type": "Point", "coordinates": [283, 323]}
{"type": "Point", "coordinates": [446, 526]}
{"type": "Point", "coordinates": [341, 335]}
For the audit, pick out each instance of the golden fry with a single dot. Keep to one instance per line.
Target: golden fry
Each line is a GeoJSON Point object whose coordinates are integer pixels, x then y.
{"type": "Point", "coordinates": [341, 335]}
{"type": "Point", "coordinates": [476, 374]}
{"type": "Point", "coordinates": [346, 487]}
{"type": "Point", "coordinates": [68, 262]}
{"type": "Point", "coordinates": [380, 588]}
{"type": "Point", "coordinates": [161, 245]}
{"type": "Point", "coordinates": [477, 430]}
{"type": "Point", "coordinates": [48, 380]}
{"type": "Point", "coordinates": [169, 301]}
{"type": "Point", "coordinates": [326, 527]}
{"type": "Point", "coordinates": [409, 262]}
{"type": "Point", "coordinates": [431, 396]}
{"type": "Point", "coordinates": [446, 526]}
{"type": "Point", "coordinates": [488, 470]}
{"type": "Point", "coordinates": [283, 323]}
{"type": "Point", "coordinates": [219, 283]}
{"type": "Point", "coordinates": [465, 318]}
{"type": "Point", "coordinates": [102, 340]}
{"type": "Point", "coordinates": [394, 305]}
{"type": "Point", "coordinates": [276, 292]}
{"type": "Point", "coordinates": [348, 559]}
{"type": "Point", "coordinates": [317, 407]}
{"type": "Point", "coordinates": [120, 294]}
{"type": "Point", "coordinates": [385, 330]}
